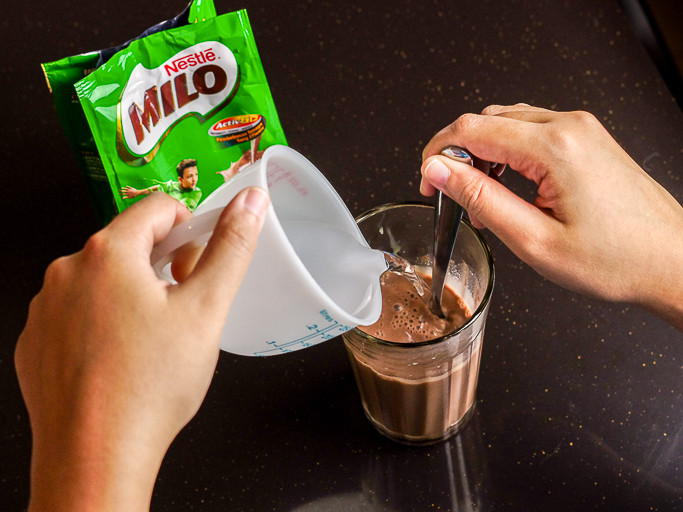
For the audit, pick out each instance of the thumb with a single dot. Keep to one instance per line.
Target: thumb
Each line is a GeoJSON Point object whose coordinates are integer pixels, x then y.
{"type": "Point", "coordinates": [512, 219]}
{"type": "Point", "coordinates": [217, 277]}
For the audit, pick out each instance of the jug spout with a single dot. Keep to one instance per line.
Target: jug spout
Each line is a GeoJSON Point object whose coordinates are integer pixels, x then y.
{"type": "Point", "coordinates": [347, 270]}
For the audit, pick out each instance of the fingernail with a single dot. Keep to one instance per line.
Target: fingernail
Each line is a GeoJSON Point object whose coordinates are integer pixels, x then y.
{"type": "Point", "coordinates": [257, 201]}
{"type": "Point", "coordinates": [437, 173]}
{"type": "Point", "coordinates": [425, 188]}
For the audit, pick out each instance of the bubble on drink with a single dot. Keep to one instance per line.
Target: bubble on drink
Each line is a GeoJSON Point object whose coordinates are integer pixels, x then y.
{"type": "Point", "coordinates": [406, 316]}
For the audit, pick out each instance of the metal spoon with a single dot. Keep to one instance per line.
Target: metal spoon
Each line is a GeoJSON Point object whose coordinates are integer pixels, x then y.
{"type": "Point", "coordinates": [447, 217]}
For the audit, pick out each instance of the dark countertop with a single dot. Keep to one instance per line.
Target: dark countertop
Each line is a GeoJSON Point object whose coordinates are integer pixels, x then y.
{"type": "Point", "coordinates": [580, 402]}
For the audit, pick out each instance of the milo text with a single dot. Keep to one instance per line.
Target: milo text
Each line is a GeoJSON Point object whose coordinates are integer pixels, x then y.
{"type": "Point", "coordinates": [194, 81]}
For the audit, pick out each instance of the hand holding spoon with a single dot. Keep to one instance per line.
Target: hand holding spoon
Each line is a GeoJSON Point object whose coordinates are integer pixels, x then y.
{"type": "Point", "coordinates": [447, 217]}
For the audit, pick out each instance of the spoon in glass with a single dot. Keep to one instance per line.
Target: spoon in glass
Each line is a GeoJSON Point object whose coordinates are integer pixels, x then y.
{"type": "Point", "coordinates": [447, 217]}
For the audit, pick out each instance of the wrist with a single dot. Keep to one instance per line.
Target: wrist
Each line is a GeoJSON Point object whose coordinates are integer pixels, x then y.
{"type": "Point", "coordinates": [668, 307]}
{"type": "Point", "coordinates": [664, 289]}
{"type": "Point", "coordinates": [80, 471]}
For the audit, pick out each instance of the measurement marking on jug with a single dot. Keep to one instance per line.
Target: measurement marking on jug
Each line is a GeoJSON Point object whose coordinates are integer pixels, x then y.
{"type": "Point", "coordinates": [276, 173]}
{"type": "Point", "coordinates": [319, 332]}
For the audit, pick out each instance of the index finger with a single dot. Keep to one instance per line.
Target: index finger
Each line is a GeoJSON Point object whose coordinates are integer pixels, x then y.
{"type": "Point", "coordinates": [493, 110]}
{"type": "Point", "coordinates": [144, 224]}
{"type": "Point", "coordinates": [451, 133]}
{"type": "Point", "coordinates": [511, 137]}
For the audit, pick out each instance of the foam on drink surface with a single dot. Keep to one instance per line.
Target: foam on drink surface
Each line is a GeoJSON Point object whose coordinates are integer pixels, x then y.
{"type": "Point", "coordinates": [406, 316]}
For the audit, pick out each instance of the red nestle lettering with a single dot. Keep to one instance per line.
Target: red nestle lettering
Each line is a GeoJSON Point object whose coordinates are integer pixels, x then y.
{"type": "Point", "coordinates": [170, 68]}
{"type": "Point", "coordinates": [189, 61]}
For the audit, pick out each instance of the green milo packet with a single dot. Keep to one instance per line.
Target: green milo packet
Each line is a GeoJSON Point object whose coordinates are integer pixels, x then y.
{"type": "Point", "coordinates": [61, 75]}
{"type": "Point", "coordinates": [186, 103]}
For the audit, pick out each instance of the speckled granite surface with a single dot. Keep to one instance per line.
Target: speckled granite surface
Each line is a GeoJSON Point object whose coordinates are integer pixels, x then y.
{"type": "Point", "coordinates": [580, 403]}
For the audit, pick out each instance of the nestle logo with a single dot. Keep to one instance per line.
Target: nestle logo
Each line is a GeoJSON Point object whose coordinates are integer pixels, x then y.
{"type": "Point", "coordinates": [188, 61]}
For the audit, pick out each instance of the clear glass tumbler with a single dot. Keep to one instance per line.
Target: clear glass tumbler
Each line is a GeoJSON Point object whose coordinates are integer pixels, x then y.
{"type": "Point", "coordinates": [421, 393]}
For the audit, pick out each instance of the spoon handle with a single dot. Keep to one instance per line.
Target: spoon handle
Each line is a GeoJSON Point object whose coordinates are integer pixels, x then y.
{"type": "Point", "coordinates": [447, 221]}
{"type": "Point", "coordinates": [447, 217]}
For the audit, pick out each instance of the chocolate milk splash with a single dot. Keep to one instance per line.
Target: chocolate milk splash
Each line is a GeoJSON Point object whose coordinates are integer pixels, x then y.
{"type": "Point", "coordinates": [406, 316]}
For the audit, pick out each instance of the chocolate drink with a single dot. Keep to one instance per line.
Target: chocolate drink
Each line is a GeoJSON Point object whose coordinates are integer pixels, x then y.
{"type": "Point", "coordinates": [410, 397]}
{"type": "Point", "coordinates": [406, 317]}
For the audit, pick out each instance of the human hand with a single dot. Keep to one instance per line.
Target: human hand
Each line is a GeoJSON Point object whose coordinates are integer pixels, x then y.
{"type": "Point", "coordinates": [599, 225]}
{"type": "Point", "coordinates": [129, 192]}
{"type": "Point", "coordinates": [229, 172]}
{"type": "Point", "coordinates": [114, 361]}
{"type": "Point", "coordinates": [247, 158]}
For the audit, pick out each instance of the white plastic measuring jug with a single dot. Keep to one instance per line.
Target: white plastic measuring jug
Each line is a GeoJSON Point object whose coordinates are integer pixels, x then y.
{"type": "Point", "coordinates": [313, 275]}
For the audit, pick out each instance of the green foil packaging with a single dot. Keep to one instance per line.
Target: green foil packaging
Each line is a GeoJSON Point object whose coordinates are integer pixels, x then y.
{"type": "Point", "coordinates": [190, 98]}
{"type": "Point", "coordinates": [61, 76]}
